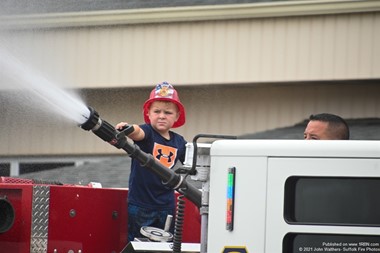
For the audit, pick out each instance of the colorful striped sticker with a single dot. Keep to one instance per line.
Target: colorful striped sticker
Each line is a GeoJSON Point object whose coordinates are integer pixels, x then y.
{"type": "Point", "coordinates": [230, 198]}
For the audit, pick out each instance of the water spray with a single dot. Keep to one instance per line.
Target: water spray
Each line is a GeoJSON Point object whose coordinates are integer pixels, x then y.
{"type": "Point", "coordinates": [22, 78]}
{"type": "Point", "coordinates": [108, 133]}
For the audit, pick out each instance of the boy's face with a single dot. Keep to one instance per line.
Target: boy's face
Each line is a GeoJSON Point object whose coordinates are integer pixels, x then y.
{"type": "Point", "coordinates": [163, 115]}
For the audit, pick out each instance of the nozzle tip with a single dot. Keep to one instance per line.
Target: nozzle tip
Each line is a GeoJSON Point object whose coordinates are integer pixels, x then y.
{"type": "Point", "coordinates": [92, 120]}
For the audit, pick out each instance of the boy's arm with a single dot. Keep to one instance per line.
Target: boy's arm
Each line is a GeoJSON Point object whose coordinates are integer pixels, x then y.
{"type": "Point", "coordinates": [137, 135]}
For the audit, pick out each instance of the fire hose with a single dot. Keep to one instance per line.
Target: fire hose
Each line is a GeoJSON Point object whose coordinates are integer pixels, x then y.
{"type": "Point", "coordinates": [108, 133]}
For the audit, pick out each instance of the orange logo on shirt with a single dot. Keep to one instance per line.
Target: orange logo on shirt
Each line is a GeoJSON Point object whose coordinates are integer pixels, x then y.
{"type": "Point", "coordinates": [166, 155]}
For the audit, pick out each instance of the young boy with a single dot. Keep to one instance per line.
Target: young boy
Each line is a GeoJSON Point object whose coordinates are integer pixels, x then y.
{"type": "Point", "coordinates": [149, 201]}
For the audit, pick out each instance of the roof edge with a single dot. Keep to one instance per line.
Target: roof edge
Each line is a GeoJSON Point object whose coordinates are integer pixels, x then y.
{"type": "Point", "coordinates": [187, 14]}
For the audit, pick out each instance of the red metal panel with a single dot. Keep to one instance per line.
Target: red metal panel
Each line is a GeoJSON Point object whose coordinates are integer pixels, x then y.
{"type": "Point", "coordinates": [17, 238]}
{"type": "Point", "coordinates": [80, 218]}
{"type": "Point", "coordinates": [192, 223]}
{"type": "Point", "coordinates": [87, 219]}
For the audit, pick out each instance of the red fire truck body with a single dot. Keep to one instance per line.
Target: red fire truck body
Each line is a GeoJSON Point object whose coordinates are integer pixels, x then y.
{"type": "Point", "coordinates": [69, 218]}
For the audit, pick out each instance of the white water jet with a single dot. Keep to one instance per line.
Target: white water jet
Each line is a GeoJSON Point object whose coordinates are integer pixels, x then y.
{"type": "Point", "coordinates": [51, 96]}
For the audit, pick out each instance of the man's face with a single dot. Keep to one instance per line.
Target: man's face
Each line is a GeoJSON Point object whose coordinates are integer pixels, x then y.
{"type": "Point", "coordinates": [316, 130]}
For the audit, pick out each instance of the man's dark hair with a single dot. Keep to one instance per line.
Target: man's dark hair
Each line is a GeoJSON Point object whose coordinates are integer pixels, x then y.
{"type": "Point", "coordinates": [337, 125]}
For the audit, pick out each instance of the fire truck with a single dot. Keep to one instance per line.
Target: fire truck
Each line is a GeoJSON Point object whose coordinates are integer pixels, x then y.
{"type": "Point", "coordinates": [257, 196]}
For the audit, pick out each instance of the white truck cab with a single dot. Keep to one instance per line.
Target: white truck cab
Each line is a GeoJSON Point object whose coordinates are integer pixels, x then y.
{"type": "Point", "coordinates": [294, 196]}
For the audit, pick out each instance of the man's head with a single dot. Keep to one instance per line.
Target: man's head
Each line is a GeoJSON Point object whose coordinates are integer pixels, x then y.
{"type": "Point", "coordinates": [326, 126]}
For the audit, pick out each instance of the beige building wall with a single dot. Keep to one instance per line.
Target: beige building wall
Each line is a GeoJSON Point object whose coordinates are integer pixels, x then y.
{"type": "Point", "coordinates": [214, 110]}
{"type": "Point", "coordinates": [280, 49]}
{"type": "Point", "coordinates": [235, 76]}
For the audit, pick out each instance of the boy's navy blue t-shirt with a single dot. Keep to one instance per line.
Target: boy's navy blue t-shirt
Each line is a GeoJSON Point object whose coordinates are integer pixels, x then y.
{"type": "Point", "coordinates": [145, 187]}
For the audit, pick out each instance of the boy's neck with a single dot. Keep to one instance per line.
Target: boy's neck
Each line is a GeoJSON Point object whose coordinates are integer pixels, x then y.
{"type": "Point", "coordinates": [165, 134]}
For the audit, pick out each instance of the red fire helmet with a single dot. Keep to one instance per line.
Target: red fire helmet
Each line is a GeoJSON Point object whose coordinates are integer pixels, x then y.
{"type": "Point", "coordinates": [165, 92]}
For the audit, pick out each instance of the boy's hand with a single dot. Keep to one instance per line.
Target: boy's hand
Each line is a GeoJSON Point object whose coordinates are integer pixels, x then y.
{"type": "Point", "coordinates": [120, 126]}
{"type": "Point", "coordinates": [137, 134]}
